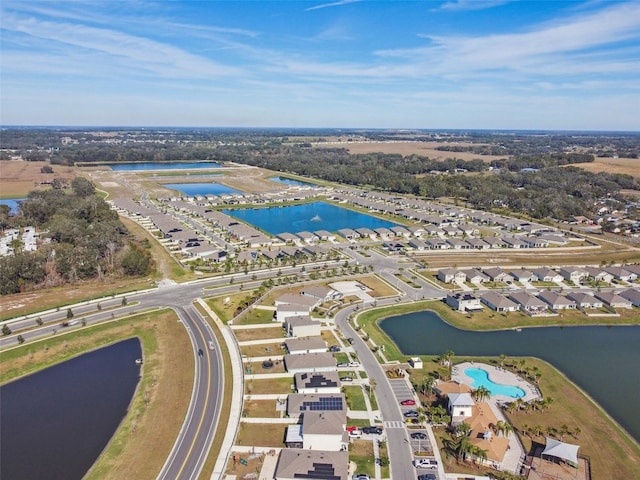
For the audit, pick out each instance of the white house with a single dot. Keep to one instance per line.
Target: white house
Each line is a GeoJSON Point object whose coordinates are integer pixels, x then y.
{"type": "Point", "coordinates": [302, 326]}
{"type": "Point", "coordinates": [310, 362]}
{"type": "Point", "coordinates": [460, 406]}
{"type": "Point", "coordinates": [498, 303]}
{"type": "Point", "coordinates": [297, 346]}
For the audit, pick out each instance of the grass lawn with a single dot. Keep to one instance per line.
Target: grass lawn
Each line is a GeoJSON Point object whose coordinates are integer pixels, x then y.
{"type": "Point", "coordinates": [260, 409]}
{"type": "Point", "coordinates": [256, 368]}
{"type": "Point", "coordinates": [261, 434]}
{"type": "Point", "coordinates": [262, 349]}
{"type": "Point", "coordinates": [254, 316]}
{"type": "Point", "coordinates": [226, 309]}
{"type": "Point", "coordinates": [268, 385]}
{"type": "Point", "coordinates": [379, 288]}
{"type": "Point", "coordinates": [247, 334]}
{"type": "Point", "coordinates": [358, 422]}
{"type": "Point", "coordinates": [355, 398]}
{"type": "Point", "coordinates": [361, 453]}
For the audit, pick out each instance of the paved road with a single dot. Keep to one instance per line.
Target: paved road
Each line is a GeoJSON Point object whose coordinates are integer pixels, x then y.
{"type": "Point", "coordinates": [196, 435]}
{"type": "Point", "coordinates": [189, 453]}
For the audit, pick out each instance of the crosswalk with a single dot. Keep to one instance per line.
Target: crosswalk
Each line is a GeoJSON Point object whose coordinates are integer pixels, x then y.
{"type": "Point", "coordinates": [393, 424]}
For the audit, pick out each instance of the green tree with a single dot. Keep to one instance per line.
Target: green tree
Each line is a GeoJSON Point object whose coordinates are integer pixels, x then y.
{"type": "Point", "coordinates": [136, 261]}
{"type": "Point", "coordinates": [69, 314]}
{"type": "Point", "coordinates": [20, 339]}
{"type": "Point", "coordinates": [6, 330]}
{"type": "Point", "coordinates": [83, 187]}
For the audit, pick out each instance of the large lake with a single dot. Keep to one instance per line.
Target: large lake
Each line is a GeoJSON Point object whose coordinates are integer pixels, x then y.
{"type": "Point", "coordinates": [193, 189]}
{"type": "Point", "coordinates": [603, 361]}
{"type": "Point", "coordinates": [308, 217]}
{"type": "Point", "coordinates": [56, 422]}
{"type": "Point", "coordinates": [163, 166]}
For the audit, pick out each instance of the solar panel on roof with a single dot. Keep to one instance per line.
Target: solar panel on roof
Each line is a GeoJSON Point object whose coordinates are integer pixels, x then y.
{"type": "Point", "coordinates": [322, 404]}
{"type": "Point", "coordinates": [321, 471]}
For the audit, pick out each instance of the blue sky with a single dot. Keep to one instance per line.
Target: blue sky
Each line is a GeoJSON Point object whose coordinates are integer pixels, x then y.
{"type": "Point", "coordinates": [494, 64]}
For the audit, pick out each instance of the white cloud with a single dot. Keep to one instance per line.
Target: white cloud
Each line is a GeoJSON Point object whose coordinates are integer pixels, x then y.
{"type": "Point", "coordinates": [333, 4]}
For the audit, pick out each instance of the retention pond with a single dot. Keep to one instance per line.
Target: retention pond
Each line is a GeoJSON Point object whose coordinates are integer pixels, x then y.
{"type": "Point", "coordinates": [603, 361]}
{"type": "Point", "coordinates": [56, 422]}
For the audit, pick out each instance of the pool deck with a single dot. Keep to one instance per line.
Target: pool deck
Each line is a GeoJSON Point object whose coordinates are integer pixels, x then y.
{"type": "Point", "coordinates": [497, 375]}
{"type": "Point", "coordinates": [515, 454]}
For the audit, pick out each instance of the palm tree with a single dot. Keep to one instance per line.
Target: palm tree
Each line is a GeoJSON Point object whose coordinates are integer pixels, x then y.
{"type": "Point", "coordinates": [372, 387]}
{"type": "Point", "coordinates": [478, 454]}
{"type": "Point", "coordinates": [576, 432]}
{"type": "Point", "coordinates": [503, 358]}
{"type": "Point", "coordinates": [462, 447]}
{"type": "Point", "coordinates": [463, 429]}
{"type": "Point", "coordinates": [563, 430]}
{"type": "Point", "coordinates": [507, 428]}
{"type": "Point", "coordinates": [427, 384]}
{"type": "Point", "coordinates": [481, 394]}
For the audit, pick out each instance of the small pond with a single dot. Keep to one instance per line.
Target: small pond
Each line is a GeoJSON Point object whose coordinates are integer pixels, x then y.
{"type": "Point", "coordinates": [55, 423]}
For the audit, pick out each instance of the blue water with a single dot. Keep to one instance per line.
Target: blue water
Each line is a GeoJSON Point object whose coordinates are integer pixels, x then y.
{"type": "Point", "coordinates": [308, 217]}
{"type": "Point", "coordinates": [599, 359]}
{"type": "Point", "coordinates": [164, 166]}
{"type": "Point", "coordinates": [193, 189]}
{"type": "Point", "coordinates": [13, 204]}
{"type": "Point", "coordinates": [481, 378]}
{"type": "Point", "coordinates": [55, 423]}
{"type": "Point", "coordinates": [292, 182]}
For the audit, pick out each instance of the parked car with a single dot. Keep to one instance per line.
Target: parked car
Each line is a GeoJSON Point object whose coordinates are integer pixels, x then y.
{"type": "Point", "coordinates": [361, 476]}
{"type": "Point", "coordinates": [351, 428]}
{"type": "Point", "coordinates": [354, 364]}
{"type": "Point", "coordinates": [346, 379]}
{"type": "Point", "coordinates": [372, 430]}
{"type": "Point", "coordinates": [334, 348]}
{"type": "Point", "coordinates": [411, 414]}
{"type": "Point", "coordinates": [408, 402]}
{"type": "Point", "coordinates": [343, 365]}
{"type": "Point", "coordinates": [355, 434]}
{"type": "Point", "coordinates": [425, 463]}
{"type": "Point", "coordinates": [427, 476]}
{"type": "Point", "coordinates": [419, 436]}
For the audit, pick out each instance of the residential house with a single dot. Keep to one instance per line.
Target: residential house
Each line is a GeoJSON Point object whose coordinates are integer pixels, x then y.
{"type": "Point", "coordinates": [529, 303]}
{"type": "Point", "coordinates": [524, 275]}
{"type": "Point", "coordinates": [451, 275]}
{"type": "Point", "coordinates": [310, 362]}
{"type": "Point", "coordinates": [418, 244]}
{"type": "Point", "coordinates": [498, 303]}
{"type": "Point", "coordinates": [614, 300]}
{"type": "Point", "coordinates": [300, 403]}
{"type": "Point", "coordinates": [297, 346]}
{"type": "Point", "coordinates": [574, 274]}
{"type": "Point", "coordinates": [289, 310]}
{"type": "Point", "coordinates": [476, 276]}
{"type": "Point", "coordinates": [633, 295]}
{"type": "Point", "coordinates": [464, 302]}
{"type": "Point", "coordinates": [317, 382]}
{"type": "Point", "coordinates": [296, 464]}
{"type": "Point", "coordinates": [547, 275]}
{"type": "Point", "coordinates": [320, 293]}
{"type": "Point", "coordinates": [301, 326]}
{"type": "Point", "coordinates": [585, 300]}
{"type": "Point", "coordinates": [599, 275]}
{"type": "Point", "coordinates": [621, 273]}
{"type": "Point", "coordinates": [496, 274]}
{"type": "Point", "coordinates": [556, 301]}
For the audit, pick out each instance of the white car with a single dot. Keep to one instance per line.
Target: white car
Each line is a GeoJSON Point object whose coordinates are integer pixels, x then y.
{"type": "Point", "coordinates": [211, 347]}
{"type": "Point", "coordinates": [355, 433]}
{"type": "Point", "coordinates": [354, 364]}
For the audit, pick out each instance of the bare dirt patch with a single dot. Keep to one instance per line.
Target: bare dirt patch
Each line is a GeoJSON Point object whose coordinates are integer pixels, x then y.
{"type": "Point", "coordinates": [19, 177]}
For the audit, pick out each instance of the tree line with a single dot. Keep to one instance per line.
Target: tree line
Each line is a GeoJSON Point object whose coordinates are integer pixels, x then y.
{"type": "Point", "coordinates": [86, 240]}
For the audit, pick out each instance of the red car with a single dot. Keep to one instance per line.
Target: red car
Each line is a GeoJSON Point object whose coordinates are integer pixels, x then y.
{"type": "Point", "coordinates": [408, 403]}
{"type": "Point", "coordinates": [352, 428]}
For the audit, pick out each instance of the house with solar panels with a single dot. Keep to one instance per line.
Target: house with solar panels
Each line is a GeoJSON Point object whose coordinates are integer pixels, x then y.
{"type": "Point", "coordinates": [317, 382]}
{"type": "Point", "coordinates": [300, 403]}
{"type": "Point", "coordinates": [295, 463]}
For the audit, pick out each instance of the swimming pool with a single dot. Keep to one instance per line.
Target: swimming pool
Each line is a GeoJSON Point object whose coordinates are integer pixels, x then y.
{"type": "Point", "coordinates": [480, 378]}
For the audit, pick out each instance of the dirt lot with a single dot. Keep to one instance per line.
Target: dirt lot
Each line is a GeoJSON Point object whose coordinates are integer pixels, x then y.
{"type": "Point", "coordinates": [18, 177]}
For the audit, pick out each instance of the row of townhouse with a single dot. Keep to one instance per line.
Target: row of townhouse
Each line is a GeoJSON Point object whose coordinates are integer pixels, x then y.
{"type": "Point", "coordinates": [576, 275]}
{"type": "Point", "coordinates": [544, 301]}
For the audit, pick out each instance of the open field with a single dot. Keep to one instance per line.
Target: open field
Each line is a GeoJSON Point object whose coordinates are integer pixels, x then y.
{"type": "Point", "coordinates": [19, 177]}
{"type": "Point", "coordinates": [247, 334]}
{"type": "Point", "coordinates": [167, 375]}
{"type": "Point", "coordinates": [361, 453]}
{"type": "Point", "coordinates": [425, 149]}
{"type": "Point", "coordinates": [268, 386]}
{"type": "Point", "coordinates": [260, 409]}
{"type": "Point", "coordinates": [629, 166]}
